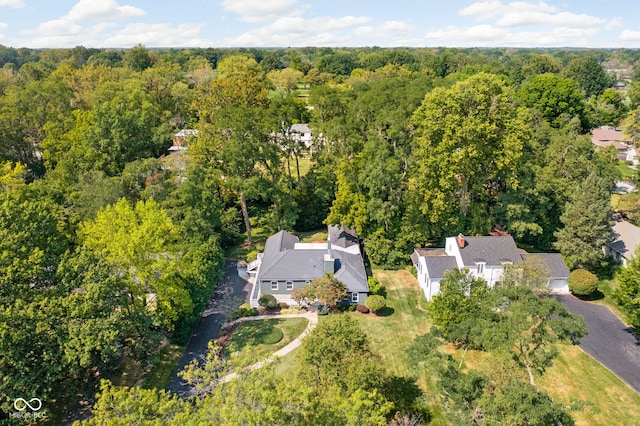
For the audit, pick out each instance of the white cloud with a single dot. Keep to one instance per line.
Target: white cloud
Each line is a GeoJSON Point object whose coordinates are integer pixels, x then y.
{"type": "Point", "coordinates": [157, 35]}
{"type": "Point", "coordinates": [15, 4]}
{"type": "Point", "coordinates": [630, 35]}
{"type": "Point", "coordinates": [91, 10]}
{"type": "Point", "coordinates": [264, 10]}
{"type": "Point", "coordinates": [297, 31]}
{"type": "Point", "coordinates": [520, 13]}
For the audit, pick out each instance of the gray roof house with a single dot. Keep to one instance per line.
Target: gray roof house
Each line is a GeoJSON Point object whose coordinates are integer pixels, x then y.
{"type": "Point", "coordinates": [626, 238]}
{"type": "Point", "coordinates": [286, 264]}
{"type": "Point", "coordinates": [485, 257]}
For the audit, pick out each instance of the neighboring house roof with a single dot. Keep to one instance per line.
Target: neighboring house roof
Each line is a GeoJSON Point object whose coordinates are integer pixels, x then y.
{"type": "Point", "coordinates": [494, 251]}
{"type": "Point", "coordinates": [438, 265]}
{"type": "Point", "coordinates": [418, 252]}
{"type": "Point", "coordinates": [300, 128]}
{"type": "Point", "coordinates": [555, 263]}
{"type": "Point", "coordinates": [186, 133]}
{"type": "Point", "coordinates": [606, 136]}
{"type": "Point", "coordinates": [342, 236]}
{"type": "Point", "coordinates": [627, 238]}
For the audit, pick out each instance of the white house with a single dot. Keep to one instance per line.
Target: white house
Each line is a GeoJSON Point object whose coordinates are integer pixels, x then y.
{"type": "Point", "coordinates": [485, 257]}
{"type": "Point", "coordinates": [626, 238]}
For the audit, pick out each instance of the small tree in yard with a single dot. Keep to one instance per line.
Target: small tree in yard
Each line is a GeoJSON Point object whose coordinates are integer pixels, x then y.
{"type": "Point", "coordinates": [375, 303]}
{"type": "Point", "coordinates": [628, 292]}
{"type": "Point", "coordinates": [582, 282]}
{"type": "Point", "coordinates": [328, 290]}
{"type": "Point", "coordinates": [375, 286]}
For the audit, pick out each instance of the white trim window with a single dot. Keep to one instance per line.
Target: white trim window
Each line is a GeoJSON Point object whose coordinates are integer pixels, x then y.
{"type": "Point", "coordinates": [274, 285]}
{"type": "Point", "coordinates": [480, 267]}
{"type": "Point", "coordinates": [354, 298]}
{"type": "Point", "coordinates": [289, 285]}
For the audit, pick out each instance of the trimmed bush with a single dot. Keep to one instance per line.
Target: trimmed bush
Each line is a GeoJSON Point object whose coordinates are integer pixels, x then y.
{"type": "Point", "coordinates": [251, 256]}
{"type": "Point", "coordinates": [283, 305]}
{"type": "Point", "coordinates": [375, 287]}
{"type": "Point", "coordinates": [582, 282]}
{"type": "Point", "coordinates": [362, 309]}
{"type": "Point", "coordinates": [243, 311]}
{"type": "Point", "coordinates": [375, 303]}
{"type": "Point", "coordinates": [267, 301]}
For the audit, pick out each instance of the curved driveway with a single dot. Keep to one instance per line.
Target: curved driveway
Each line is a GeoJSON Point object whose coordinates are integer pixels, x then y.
{"type": "Point", "coordinates": [609, 340]}
{"type": "Point", "coordinates": [232, 291]}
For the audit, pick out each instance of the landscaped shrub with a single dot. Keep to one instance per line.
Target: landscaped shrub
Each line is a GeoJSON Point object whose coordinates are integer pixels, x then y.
{"type": "Point", "coordinates": [375, 303]}
{"type": "Point", "coordinates": [251, 256]}
{"type": "Point", "coordinates": [362, 309]}
{"type": "Point", "coordinates": [582, 282]}
{"type": "Point", "coordinates": [283, 305]}
{"type": "Point", "coordinates": [375, 287]}
{"type": "Point", "coordinates": [243, 311]}
{"type": "Point", "coordinates": [268, 301]}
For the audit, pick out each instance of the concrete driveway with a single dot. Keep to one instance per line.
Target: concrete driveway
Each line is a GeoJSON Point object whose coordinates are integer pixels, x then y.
{"type": "Point", "coordinates": [609, 340]}
{"type": "Point", "coordinates": [232, 291]}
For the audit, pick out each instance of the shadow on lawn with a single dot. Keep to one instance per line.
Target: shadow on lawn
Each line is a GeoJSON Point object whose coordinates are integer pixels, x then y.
{"type": "Point", "coordinates": [387, 311]}
{"type": "Point", "coordinates": [253, 333]}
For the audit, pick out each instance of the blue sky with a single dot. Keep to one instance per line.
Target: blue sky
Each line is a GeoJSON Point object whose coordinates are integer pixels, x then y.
{"type": "Point", "coordinates": [283, 23]}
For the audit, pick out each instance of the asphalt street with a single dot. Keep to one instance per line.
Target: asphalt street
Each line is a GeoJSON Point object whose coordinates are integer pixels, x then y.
{"type": "Point", "coordinates": [609, 340]}
{"type": "Point", "coordinates": [232, 291]}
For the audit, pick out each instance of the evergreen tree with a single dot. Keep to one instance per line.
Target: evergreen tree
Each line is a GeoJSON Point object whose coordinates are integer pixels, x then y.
{"type": "Point", "coordinates": [587, 225]}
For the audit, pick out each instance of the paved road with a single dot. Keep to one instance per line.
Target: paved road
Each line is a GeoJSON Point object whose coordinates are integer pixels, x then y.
{"type": "Point", "coordinates": [232, 291]}
{"type": "Point", "coordinates": [609, 340]}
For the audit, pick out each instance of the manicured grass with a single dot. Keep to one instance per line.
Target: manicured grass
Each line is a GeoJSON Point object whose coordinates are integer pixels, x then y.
{"type": "Point", "coordinates": [263, 336]}
{"type": "Point", "coordinates": [400, 322]}
{"type": "Point", "coordinates": [577, 376]}
{"type": "Point", "coordinates": [575, 379]}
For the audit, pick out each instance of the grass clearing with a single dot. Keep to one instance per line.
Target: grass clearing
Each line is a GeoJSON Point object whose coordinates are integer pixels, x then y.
{"type": "Point", "coordinates": [163, 366]}
{"type": "Point", "coordinates": [260, 336]}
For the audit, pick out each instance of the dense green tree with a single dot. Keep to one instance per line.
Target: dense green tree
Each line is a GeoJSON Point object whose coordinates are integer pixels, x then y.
{"type": "Point", "coordinates": [328, 290]}
{"type": "Point", "coordinates": [627, 294]}
{"type": "Point", "coordinates": [582, 282]}
{"type": "Point", "coordinates": [587, 225]}
{"type": "Point", "coordinates": [608, 109]}
{"type": "Point", "coordinates": [457, 300]}
{"type": "Point", "coordinates": [589, 73]}
{"type": "Point", "coordinates": [468, 146]}
{"type": "Point", "coordinates": [139, 243]}
{"type": "Point", "coordinates": [554, 96]}
{"type": "Point", "coordinates": [137, 58]}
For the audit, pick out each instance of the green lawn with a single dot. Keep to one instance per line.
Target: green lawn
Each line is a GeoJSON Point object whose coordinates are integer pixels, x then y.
{"type": "Point", "coordinates": [261, 336]}
{"type": "Point", "coordinates": [626, 171]}
{"type": "Point", "coordinates": [574, 379]}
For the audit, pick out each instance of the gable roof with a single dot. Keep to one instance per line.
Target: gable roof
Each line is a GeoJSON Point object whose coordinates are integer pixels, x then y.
{"type": "Point", "coordinates": [342, 236]}
{"type": "Point", "coordinates": [300, 128]}
{"type": "Point", "coordinates": [627, 238]}
{"type": "Point", "coordinates": [494, 251]}
{"type": "Point", "coordinates": [438, 265]}
{"type": "Point", "coordinates": [555, 263]}
{"type": "Point", "coordinates": [282, 261]}
{"type": "Point", "coordinates": [607, 134]}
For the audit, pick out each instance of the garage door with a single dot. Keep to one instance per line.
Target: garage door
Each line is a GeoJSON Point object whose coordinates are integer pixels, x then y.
{"type": "Point", "coordinates": [559, 286]}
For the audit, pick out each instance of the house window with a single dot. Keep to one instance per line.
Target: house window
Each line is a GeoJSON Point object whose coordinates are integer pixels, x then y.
{"type": "Point", "coordinates": [480, 268]}
{"type": "Point", "coordinates": [274, 285]}
{"type": "Point", "coordinates": [354, 297]}
{"type": "Point", "coordinates": [289, 285]}
{"type": "Point", "coordinates": [307, 282]}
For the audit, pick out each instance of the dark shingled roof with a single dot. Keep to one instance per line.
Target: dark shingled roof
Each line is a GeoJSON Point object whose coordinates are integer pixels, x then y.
{"type": "Point", "coordinates": [438, 265]}
{"type": "Point", "coordinates": [555, 263]}
{"type": "Point", "coordinates": [281, 262]}
{"type": "Point", "coordinates": [493, 250]}
{"type": "Point", "coordinates": [342, 236]}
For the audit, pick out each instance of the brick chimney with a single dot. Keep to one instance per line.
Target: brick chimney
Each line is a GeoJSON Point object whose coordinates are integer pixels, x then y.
{"type": "Point", "coordinates": [460, 239]}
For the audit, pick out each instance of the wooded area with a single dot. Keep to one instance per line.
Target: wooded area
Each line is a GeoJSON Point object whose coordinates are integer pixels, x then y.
{"type": "Point", "coordinates": [110, 246]}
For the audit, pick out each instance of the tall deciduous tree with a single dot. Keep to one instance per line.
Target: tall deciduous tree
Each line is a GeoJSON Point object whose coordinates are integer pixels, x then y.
{"type": "Point", "coordinates": [468, 145]}
{"type": "Point", "coordinates": [628, 291]}
{"type": "Point", "coordinates": [587, 225]}
{"type": "Point", "coordinates": [588, 72]}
